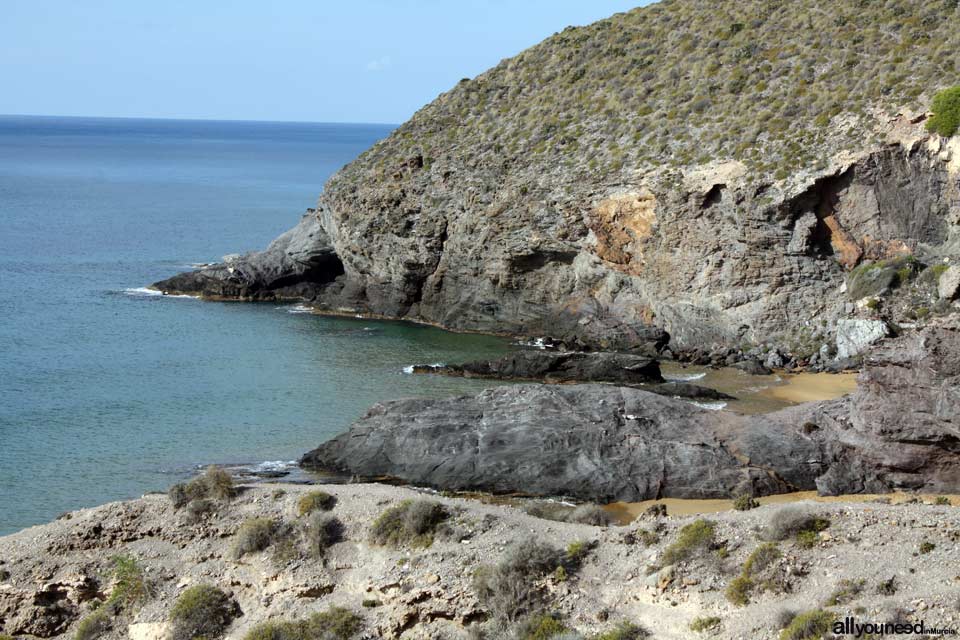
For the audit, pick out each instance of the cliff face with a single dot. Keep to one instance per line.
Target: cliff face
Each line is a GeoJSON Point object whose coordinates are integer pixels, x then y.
{"type": "Point", "coordinates": [707, 173]}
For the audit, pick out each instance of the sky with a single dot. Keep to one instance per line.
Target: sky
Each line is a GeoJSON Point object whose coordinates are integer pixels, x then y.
{"type": "Point", "coordinates": [285, 60]}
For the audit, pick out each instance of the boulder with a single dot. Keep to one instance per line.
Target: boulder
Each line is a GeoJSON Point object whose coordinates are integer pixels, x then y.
{"type": "Point", "coordinates": [948, 287]}
{"type": "Point", "coordinates": [605, 443]}
{"type": "Point", "coordinates": [854, 335]}
{"type": "Point", "coordinates": [556, 367]}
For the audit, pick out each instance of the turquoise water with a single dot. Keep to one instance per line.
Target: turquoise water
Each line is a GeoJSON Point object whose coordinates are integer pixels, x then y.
{"type": "Point", "coordinates": [106, 392]}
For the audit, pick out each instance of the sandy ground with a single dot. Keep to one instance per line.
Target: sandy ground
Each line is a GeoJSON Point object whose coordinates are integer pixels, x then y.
{"type": "Point", "coordinates": [427, 593]}
{"type": "Point", "coordinates": [811, 387]}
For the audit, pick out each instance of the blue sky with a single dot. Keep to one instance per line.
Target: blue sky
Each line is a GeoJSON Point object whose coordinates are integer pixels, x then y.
{"type": "Point", "coordinates": [307, 60]}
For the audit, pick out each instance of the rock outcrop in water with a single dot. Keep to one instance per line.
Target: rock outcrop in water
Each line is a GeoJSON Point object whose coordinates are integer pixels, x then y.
{"type": "Point", "coordinates": [558, 367]}
{"type": "Point", "coordinates": [606, 186]}
{"type": "Point", "coordinates": [898, 430]}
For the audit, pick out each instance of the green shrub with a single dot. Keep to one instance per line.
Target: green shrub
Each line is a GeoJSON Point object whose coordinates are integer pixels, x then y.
{"type": "Point", "coordinates": [807, 539]}
{"type": "Point", "coordinates": [255, 534]}
{"type": "Point", "coordinates": [761, 558]}
{"type": "Point", "coordinates": [215, 483]}
{"type": "Point", "coordinates": [199, 508]}
{"type": "Point", "coordinates": [577, 551]}
{"type": "Point", "coordinates": [323, 531]}
{"type": "Point", "coordinates": [202, 611]}
{"type": "Point", "coordinates": [94, 625]}
{"type": "Point", "coordinates": [745, 502]}
{"type": "Point", "coordinates": [693, 538]}
{"type": "Point", "coordinates": [809, 625]}
{"type": "Point", "coordinates": [411, 523]}
{"type": "Point", "coordinates": [131, 587]}
{"type": "Point", "coordinates": [942, 500]}
{"type": "Point", "coordinates": [926, 546]}
{"type": "Point", "coordinates": [541, 627]}
{"type": "Point", "coordinates": [738, 591]}
{"type": "Point", "coordinates": [315, 500]}
{"type": "Point", "coordinates": [507, 589]}
{"type": "Point", "coordinates": [623, 631]}
{"type": "Point", "coordinates": [370, 603]}
{"type": "Point", "coordinates": [336, 623]}
{"type": "Point", "coordinates": [845, 592]}
{"type": "Point", "coordinates": [790, 521]}
{"type": "Point", "coordinates": [946, 112]}
{"type": "Point", "coordinates": [704, 623]}
{"type": "Point", "coordinates": [590, 514]}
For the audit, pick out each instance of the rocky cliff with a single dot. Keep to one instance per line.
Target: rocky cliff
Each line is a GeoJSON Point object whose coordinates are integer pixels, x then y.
{"type": "Point", "coordinates": [705, 173]}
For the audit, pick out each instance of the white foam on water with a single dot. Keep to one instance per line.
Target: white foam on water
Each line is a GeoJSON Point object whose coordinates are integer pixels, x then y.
{"type": "Point", "coordinates": [144, 292]}
{"type": "Point", "coordinates": [298, 308]}
{"type": "Point", "coordinates": [712, 406]}
{"type": "Point", "coordinates": [684, 377]}
{"type": "Point", "coordinates": [409, 368]}
{"type": "Point", "coordinates": [535, 343]}
{"type": "Point", "coordinates": [275, 465]}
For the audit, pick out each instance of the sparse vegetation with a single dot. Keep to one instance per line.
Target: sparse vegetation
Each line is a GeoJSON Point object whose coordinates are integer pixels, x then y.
{"type": "Point", "coordinates": [745, 502]}
{"type": "Point", "coordinates": [739, 590]}
{"type": "Point", "coordinates": [336, 623]}
{"type": "Point", "coordinates": [926, 546]}
{"type": "Point", "coordinates": [793, 521]}
{"type": "Point", "coordinates": [94, 625]}
{"type": "Point", "coordinates": [315, 500]}
{"type": "Point", "coordinates": [946, 112]}
{"type": "Point", "coordinates": [888, 587]}
{"type": "Point", "coordinates": [693, 538]}
{"type": "Point", "coordinates": [323, 531]}
{"type": "Point", "coordinates": [846, 592]}
{"type": "Point", "coordinates": [507, 589]}
{"type": "Point", "coordinates": [942, 501]}
{"type": "Point", "coordinates": [541, 627]}
{"type": "Point", "coordinates": [202, 611]}
{"type": "Point", "coordinates": [255, 534]}
{"type": "Point", "coordinates": [809, 625]}
{"type": "Point", "coordinates": [130, 586]}
{"type": "Point", "coordinates": [705, 623]}
{"type": "Point", "coordinates": [623, 631]}
{"type": "Point", "coordinates": [214, 483]}
{"type": "Point", "coordinates": [411, 523]}
{"type": "Point", "coordinates": [670, 85]}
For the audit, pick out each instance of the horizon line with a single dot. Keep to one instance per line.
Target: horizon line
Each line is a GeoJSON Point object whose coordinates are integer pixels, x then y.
{"type": "Point", "coordinates": [183, 119]}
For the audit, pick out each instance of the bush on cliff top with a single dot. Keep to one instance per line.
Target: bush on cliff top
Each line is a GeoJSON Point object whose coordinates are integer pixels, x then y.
{"type": "Point", "coordinates": [946, 113]}
{"type": "Point", "coordinates": [215, 483]}
{"type": "Point", "coordinates": [410, 523]}
{"type": "Point", "coordinates": [693, 538]}
{"type": "Point", "coordinates": [810, 625]}
{"type": "Point", "coordinates": [314, 500]}
{"type": "Point", "coordinates": [255, 534]}
{"type": "Point", "coordinates": [202, 611]}
{"type": "Point", "coordinates": [507, 589]}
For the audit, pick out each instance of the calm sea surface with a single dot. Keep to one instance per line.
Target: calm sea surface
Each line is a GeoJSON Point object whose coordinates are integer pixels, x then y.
{"type": "Point", "coordinates": [107, 392]}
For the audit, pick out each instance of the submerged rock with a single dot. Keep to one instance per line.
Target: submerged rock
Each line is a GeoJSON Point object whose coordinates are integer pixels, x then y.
{"type": "Point", "coordinates": [600, 442]}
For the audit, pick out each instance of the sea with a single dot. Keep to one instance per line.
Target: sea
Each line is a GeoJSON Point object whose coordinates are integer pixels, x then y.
{"type": "Point", "coordinates": [109, 391]}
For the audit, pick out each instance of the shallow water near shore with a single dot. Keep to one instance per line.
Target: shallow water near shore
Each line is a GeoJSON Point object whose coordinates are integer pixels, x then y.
{"type": "Point", "coordinates": [762, 394]}
{"type": "Point", "coordinates": [108, 390]}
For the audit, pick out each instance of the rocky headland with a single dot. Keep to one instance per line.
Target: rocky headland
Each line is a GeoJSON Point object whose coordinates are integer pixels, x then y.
{"type": "Point", "coordinates": [725, 183]}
